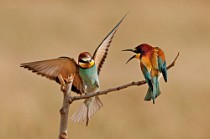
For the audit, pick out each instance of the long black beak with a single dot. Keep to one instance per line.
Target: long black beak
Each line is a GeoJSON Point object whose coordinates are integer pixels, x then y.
{"type": "Point", "coordinates": [129, 50]}
{"type": "Point", "coordinates": [130, 59]}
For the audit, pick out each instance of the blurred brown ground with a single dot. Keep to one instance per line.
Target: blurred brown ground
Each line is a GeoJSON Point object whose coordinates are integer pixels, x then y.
{"type": "Point", "coordinates": [36, 30]}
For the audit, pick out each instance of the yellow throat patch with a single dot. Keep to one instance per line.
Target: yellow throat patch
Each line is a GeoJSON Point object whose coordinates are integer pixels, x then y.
{"type": "Point", "coordinates": [87, 65]}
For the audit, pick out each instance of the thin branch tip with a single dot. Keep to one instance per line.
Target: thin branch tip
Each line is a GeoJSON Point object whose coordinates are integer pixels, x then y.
{"type": "Point", "coordinates": [177, 56]}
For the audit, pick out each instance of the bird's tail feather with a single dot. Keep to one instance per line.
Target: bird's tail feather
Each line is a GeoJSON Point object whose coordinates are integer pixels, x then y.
{"type": "Point", "coordinates": [86, 111]}
{"type": "Point", "coordinates": [152, 94]}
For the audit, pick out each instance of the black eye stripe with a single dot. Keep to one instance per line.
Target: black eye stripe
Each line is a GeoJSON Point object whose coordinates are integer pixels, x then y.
{"type": "Point", "coordinates": [82, 61]}
{"type": "Point", "coordinates": [137, 50]}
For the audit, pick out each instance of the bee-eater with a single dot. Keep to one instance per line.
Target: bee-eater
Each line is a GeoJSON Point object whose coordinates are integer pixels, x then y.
{"type": "Point", "coordinates": [86, 73]}
{"type": "Point", "coordinates": [152, 63]}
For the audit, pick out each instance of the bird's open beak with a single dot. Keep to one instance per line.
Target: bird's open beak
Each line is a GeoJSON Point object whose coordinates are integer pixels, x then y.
{"type": "Point", "coordinates": [135, 56]}
{"type": "Point", "coordinates": [131, 58]}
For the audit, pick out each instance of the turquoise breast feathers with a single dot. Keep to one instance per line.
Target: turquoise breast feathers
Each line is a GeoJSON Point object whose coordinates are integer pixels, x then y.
{"type": "Point", "coordinates": [90, 78]}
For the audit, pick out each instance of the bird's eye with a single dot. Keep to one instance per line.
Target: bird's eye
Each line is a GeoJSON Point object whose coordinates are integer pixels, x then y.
{"type": "Point", "coordinates": [137, 50]}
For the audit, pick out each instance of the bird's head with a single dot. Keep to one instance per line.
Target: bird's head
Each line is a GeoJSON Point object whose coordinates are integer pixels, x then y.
{"type": "Point", "coordinates": [85, 60]}
{"type": "Point", "coordinates": [139, 50]}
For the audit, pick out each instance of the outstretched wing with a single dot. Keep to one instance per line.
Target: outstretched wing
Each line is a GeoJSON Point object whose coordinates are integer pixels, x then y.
{"type": "Point", "coordinates": [101, 51]}
{"type": "Point", "coordinates": [53, 67]}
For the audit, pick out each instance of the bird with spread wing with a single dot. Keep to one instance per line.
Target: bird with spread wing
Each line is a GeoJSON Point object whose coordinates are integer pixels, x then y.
{"type": "Point", "coordinates": [85, 72]}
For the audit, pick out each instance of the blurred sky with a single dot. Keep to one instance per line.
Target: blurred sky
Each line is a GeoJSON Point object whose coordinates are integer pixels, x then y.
{"type": "Point", "coordinates": [37, 30]}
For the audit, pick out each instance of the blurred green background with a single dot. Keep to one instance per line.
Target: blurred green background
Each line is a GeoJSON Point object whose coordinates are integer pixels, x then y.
{"type": "Point", "coordinates": [38, 30]}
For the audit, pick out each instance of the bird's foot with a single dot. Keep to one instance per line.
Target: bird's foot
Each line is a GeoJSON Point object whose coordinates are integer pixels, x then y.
{"type": "Point", "coordinates": [69, 79]}
{"type": "Point", "coordinates": [63, 88]}
{"type": "Point", "coordinates": [62, 82]}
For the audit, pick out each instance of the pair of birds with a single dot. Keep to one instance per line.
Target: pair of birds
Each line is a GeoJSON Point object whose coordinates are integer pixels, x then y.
{"type": "Point", "coordinates": [86, 79]}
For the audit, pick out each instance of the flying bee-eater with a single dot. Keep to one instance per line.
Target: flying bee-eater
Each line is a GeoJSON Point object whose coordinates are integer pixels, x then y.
{"type": "Point", "coordinates": [152, 63]}
{"type": "Point", "coordinates": [86, 74]}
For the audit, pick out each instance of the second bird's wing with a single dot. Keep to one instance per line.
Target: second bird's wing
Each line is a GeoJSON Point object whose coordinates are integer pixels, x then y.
{"type": "Point", "coordinates": [161, 62]}
{"type": "Point", "coordinates": [101, 51]}
{"type": "Point", "coordinates": [51, 68]}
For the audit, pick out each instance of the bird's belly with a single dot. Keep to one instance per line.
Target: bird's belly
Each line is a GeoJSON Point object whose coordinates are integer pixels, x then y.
{"type": "Point", "coordinates": [90, 79]}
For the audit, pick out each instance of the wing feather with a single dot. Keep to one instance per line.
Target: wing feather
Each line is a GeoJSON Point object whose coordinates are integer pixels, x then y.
{"type": "Point", "coordinates": [154, 59]}
{"type": "Point", "coordinates": [161, 63]}
{"type": "Point", "coordinates": [101, 51]}
{"type": "Point", "coordinates": [53, 67]}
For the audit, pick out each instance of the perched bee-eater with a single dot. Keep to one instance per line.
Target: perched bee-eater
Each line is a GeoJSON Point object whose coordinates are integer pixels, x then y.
{"type": "Point", "coordinates": [152, 63]}
{"type": "Point", "coordinates": [86, 73]}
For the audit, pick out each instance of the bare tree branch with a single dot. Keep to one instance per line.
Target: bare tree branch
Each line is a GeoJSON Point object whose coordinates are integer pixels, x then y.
{"type": "Point", "coordinates": [65, 108]}
{"type": "Point", "coordinates": [138, 83]}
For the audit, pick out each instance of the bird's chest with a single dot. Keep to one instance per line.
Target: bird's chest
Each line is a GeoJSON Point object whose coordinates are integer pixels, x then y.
{"type": "Point", "coordinates": [146, 63]}
{"type": "Point", "coordinates": [90, 78]}
{"type": "Point", "coordinates": [149, 64]}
